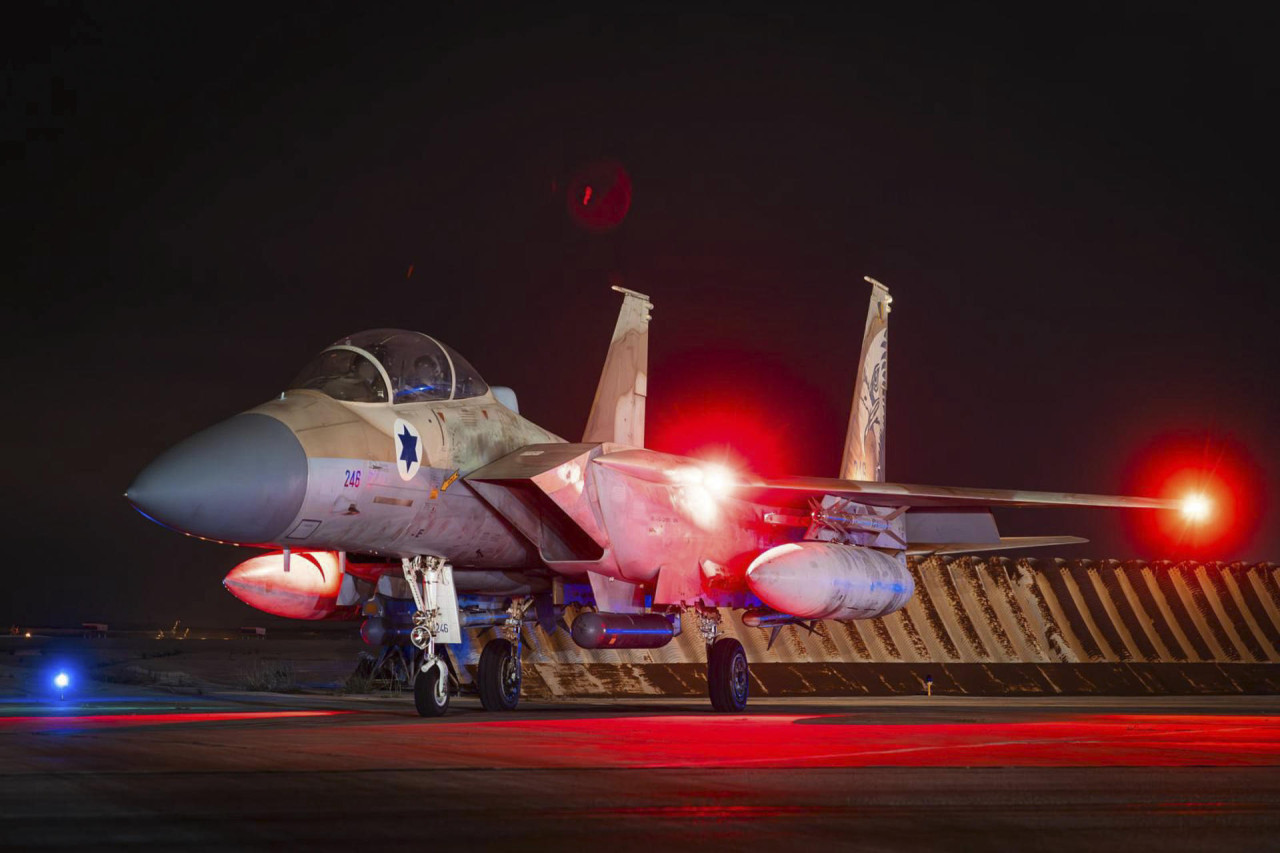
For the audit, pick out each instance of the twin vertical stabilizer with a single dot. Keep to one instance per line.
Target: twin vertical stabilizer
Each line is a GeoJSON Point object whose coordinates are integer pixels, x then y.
{"type": "Point", "coordinates": [617, 414]}
{"type": "Point", "coordinates": [864, 444]}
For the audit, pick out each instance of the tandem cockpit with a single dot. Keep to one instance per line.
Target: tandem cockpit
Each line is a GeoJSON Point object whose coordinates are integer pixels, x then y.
{"type": "Point", "coordinates": [391, 365]}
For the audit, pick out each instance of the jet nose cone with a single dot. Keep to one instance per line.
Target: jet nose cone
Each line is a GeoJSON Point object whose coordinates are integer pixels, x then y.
{"type": "Point", "coordinates": [242, 481]}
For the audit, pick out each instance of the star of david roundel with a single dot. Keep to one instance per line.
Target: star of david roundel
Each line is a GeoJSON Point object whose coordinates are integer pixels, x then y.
{"type": "Point", "coordinates": [408, 449]}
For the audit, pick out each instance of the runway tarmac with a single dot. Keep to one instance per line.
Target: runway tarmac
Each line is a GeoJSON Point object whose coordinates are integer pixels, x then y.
{"type": "Point", "coordinates": [252, 771]}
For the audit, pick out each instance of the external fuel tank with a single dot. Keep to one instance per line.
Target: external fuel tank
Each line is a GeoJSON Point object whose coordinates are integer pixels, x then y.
{"type": "Point", "coordinates": [825, 580]}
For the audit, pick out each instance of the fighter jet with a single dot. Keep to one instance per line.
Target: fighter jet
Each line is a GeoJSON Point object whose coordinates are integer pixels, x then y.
{"type": "Point", "coordinates": [391, 483]}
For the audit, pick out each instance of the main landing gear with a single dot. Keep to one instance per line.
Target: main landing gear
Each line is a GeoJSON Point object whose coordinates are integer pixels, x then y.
{"type": "Point", "coordinates": [498, 674]}
{"type": "Point", "coordinates": [728, 676]}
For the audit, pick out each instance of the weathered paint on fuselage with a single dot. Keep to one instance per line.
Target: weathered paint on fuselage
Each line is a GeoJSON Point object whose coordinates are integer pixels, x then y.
{"type": "Point", "coordinates": [357, 501]}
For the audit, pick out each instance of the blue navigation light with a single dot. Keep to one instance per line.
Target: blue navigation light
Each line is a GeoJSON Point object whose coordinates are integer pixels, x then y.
{"type": "Point", "coordinates": [61, 680]}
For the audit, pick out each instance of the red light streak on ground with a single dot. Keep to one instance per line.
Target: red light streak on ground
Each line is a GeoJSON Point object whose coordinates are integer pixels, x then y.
{"type": "Point", "coordinates": [309, 740]}
{"type": "Point", "coordinates": [788, 741]}
{"type": "Point", "coordinates": [1180, 464]}
{"type": "Point", "coordinates": [111, 721]}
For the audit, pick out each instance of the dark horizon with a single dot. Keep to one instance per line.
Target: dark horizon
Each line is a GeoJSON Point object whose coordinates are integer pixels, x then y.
{"type": "Point", "coordinates": [1075, 218]}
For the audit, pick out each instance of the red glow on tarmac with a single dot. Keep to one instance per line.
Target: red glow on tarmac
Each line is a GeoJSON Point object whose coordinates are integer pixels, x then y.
{"type": "Point", "coordinates": [837, 741]}
{"type": "Point", "coordinates": [531, 740]}
{"type": "Point", "coordinates": [111, 721]}
{"type": "Point", "coordinates": [1181, 465]}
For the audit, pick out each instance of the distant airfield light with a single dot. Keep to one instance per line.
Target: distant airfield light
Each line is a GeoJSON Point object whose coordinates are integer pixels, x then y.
{"type": "Point", "coordinates": [61, 680]}
{"type": "Point", "coordinates": [1196, 507]}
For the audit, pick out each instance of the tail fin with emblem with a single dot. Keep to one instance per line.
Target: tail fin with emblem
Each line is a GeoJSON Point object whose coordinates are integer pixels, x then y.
{"type": "Point", "coordinates": [617, 414]}
{"type": "Point", "coordinates": [864, 444]}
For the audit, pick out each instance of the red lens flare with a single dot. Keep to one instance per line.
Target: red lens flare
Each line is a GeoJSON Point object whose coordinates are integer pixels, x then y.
{"type": "Point", "coordinates": [599, 196]}
{"type": "Point", "coordinates": [745, 412]}
{"type": "Point", "coordinates": [721, 432]}
{"type": "Point", "coordinates": [1217, 486]}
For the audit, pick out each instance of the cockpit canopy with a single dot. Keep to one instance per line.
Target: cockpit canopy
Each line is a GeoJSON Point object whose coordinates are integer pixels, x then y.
{"type": "Point", "coordinates": [383, 365]}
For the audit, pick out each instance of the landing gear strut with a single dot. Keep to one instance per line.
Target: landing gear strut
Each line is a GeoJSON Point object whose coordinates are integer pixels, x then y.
{"type": "Point", "coordinates": [728, 676]}
{"type": "Point", "coordinates": [431, 687]}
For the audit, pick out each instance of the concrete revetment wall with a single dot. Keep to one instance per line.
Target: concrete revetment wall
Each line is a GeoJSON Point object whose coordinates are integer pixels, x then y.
{"type": "Point", "coordinates": [983, 625]}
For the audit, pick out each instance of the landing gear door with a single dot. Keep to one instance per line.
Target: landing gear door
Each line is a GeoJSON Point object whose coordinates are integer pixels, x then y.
{"type": "Point", "coordinates": [449, 631]}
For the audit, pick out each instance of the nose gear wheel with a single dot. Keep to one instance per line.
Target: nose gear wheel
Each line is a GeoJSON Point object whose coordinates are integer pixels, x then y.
{"type": "Point", "coordinates": [431, 692]}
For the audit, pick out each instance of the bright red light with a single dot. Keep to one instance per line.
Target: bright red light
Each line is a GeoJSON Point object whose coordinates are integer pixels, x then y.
{"type": "Point", "coordinates": [1197, 508]}
{"type": "Point", "coordinates": [1218, 489]}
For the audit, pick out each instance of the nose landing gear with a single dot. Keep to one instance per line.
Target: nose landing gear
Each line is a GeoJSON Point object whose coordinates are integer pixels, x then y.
{"type": "Point", "coordinates": [435, 621]}
{"type": "Point", "coordinates": [431, 692]}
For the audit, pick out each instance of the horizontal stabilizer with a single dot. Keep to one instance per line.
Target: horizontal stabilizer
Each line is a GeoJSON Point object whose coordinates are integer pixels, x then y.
{"type": "Point", "coordinates": [1006, 543]}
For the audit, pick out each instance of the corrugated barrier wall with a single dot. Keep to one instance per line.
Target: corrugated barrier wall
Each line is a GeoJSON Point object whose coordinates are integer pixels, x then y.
{"type": "Point", "coordinates": [984, 625]}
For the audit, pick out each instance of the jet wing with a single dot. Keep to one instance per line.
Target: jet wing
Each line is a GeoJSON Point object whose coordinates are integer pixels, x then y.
{"type": "Point", "coordinates": [1004, 543]}
{"type": "Point", "coordinates": [796, 491]}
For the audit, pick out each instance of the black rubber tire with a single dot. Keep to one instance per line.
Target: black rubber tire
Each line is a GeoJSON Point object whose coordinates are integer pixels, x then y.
{"type": "Point", "coordinates": [499, 676]}
{"type": "Point", "coordinates": [425, 698]}
{"type": "Point", "coordinates": [728, 676]}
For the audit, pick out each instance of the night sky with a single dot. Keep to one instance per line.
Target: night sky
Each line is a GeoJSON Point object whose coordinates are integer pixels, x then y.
{"type": "Point", "coordinates": [1076, 216]}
